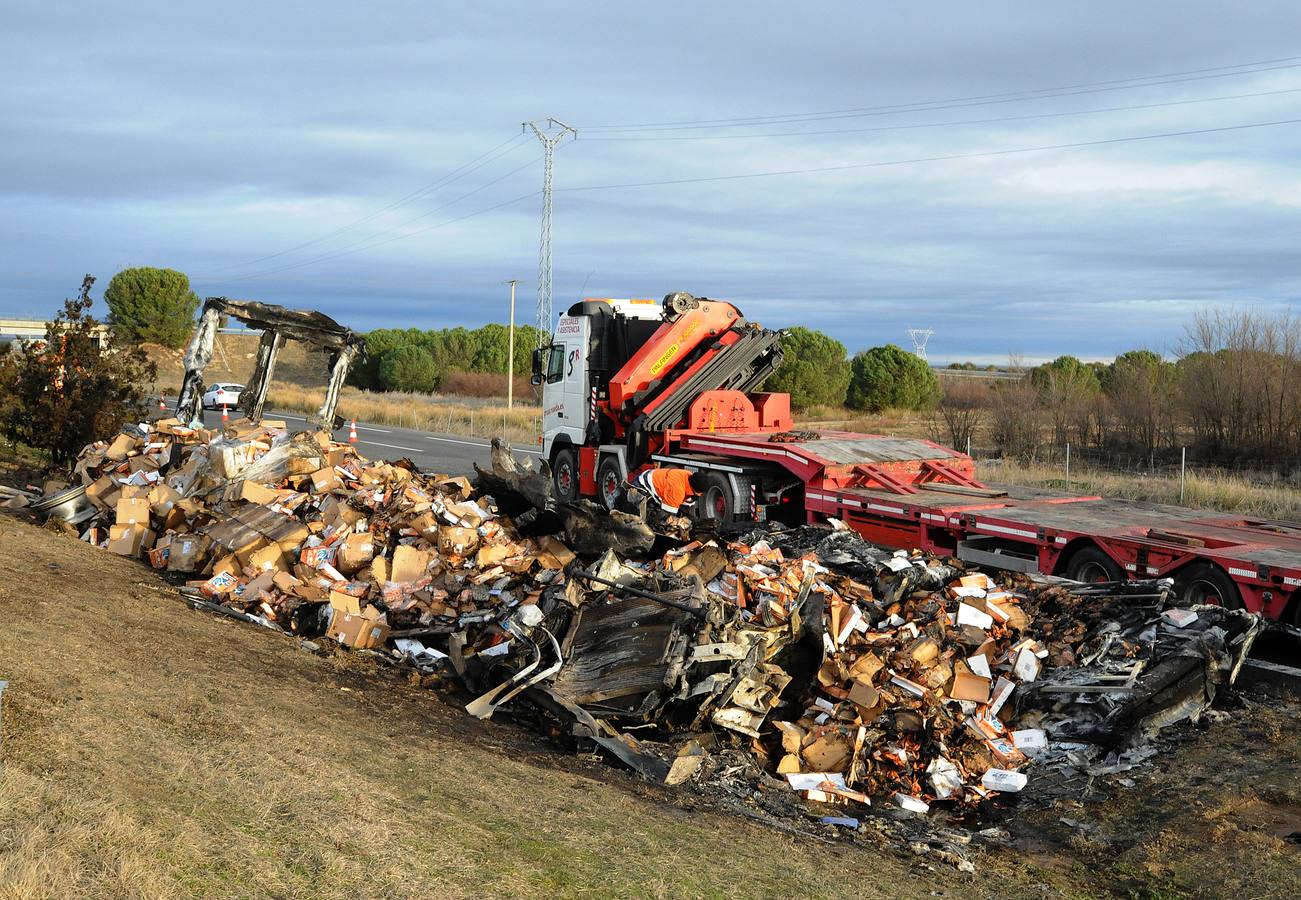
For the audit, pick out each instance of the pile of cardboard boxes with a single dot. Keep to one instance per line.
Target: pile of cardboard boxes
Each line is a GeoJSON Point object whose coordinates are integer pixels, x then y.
{"type": "Point", "coordinates": [850, 672]}
{"type": "Point", "coordinates": [304, 533]}
{"type": "Point", "coordinates": [911, 700]}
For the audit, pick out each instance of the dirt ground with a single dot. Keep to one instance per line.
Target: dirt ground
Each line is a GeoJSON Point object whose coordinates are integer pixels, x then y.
{"type": "Point", "coordinates": [151, 750]}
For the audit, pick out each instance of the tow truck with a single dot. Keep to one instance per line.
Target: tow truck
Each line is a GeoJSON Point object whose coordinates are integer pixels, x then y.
{"type": "Point", "coordinates": [629, 384]}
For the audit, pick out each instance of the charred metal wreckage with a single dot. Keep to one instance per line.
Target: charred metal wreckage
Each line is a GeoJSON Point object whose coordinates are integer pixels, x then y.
{"type": "Point", "coordinates": [277, 324]}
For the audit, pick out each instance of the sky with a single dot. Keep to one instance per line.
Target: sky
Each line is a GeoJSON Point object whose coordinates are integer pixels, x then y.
{"type": "Point", "coordinates": [368, 160]}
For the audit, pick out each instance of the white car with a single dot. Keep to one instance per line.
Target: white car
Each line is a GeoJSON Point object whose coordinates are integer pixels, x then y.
{"type": "Point", "coordinates": [219, 395]}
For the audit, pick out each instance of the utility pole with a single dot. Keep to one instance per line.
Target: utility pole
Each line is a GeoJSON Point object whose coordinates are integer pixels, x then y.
{"type": "Point", "coordinates": [510, 349]}
{"type": "Point", "coordinates": [550, 133]}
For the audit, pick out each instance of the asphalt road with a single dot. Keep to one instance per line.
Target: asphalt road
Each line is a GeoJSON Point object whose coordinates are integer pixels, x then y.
{"type": "Point", "coordinates": [447, 454]}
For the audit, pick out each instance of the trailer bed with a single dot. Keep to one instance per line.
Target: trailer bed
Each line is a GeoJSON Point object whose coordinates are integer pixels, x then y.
{"type": "Point", "coordinates": [909, 492]}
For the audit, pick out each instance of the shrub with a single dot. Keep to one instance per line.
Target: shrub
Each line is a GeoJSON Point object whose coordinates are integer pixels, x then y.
{"type": "Point", "coordinates": [408, 368]}
{"type": "Point", "coordinates": [67, 391]}
{"type": "Point", "coordinates": [147, 304]}
{"type": "Point", "coordinates": [890, 377]}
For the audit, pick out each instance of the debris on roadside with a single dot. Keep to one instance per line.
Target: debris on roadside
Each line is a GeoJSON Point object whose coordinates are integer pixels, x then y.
{"type": "Point", "coordinates": [789, 672]}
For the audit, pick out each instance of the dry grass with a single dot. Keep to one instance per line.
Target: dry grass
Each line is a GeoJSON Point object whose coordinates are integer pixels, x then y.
{"type": "Point", "coordinates": [444, 415]}
{"type": "Point", "coordinates": [1212, 490]}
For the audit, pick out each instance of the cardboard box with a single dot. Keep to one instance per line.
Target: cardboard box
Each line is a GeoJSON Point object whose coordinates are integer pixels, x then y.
{"type": "Point", "coordinates": [129, 540]}
{"type": "Point", "coordinates": [969, 686]}
{"type": "Point", "coordinates": [257, 493]}
{"type": "Point", "coordinates": [270, 558]}
{"type": "Point", "coordinates": [409, 564]}
{"type": "Point", "coordinates": [355, 553]}
{"type": "Point", "coordinates": [133, 512]}
{"type": "Point", "coordinates": [103, 493]}
{"type": "Point", "coordinates": [325, 480]}
{"type": "Point", "coordinates": [863, 693]}
{"type": "Point", "coordinates": [219, 584]}
{"type": "Point", "coordinates": [345, 603]}
{"type": "Point", "coordinates": [358, 631]}
{"type": "Point", "coordinates": [188, 552]}
{"type": "Point", "coordinates": [162, 549]}
{"type": "Point", "coordinates": [454, 541]}
{"type": "Point", "coordinates": [162, 499]}
{"type": "Point", "coordinates": [121, 446]}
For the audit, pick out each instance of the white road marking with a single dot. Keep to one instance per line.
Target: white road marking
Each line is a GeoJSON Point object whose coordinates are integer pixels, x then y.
{"type": "Point", "coordinates": [393, 446]}
{"type": "Point", "coordinates": [359, 427]}
{"type": "Point", "coordinates": [364, 428]}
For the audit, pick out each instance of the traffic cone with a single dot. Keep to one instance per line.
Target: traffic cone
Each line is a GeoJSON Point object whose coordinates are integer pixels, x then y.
{"type": "Point", "coordinates": [352, 432]}
{"type": "Point", "coordinates": [225, 416]}
{"type": "Point", "coordinates": [162, 405]}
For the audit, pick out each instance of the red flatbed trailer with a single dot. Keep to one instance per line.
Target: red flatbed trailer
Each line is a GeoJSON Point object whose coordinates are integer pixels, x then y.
{"type": "Point", "coordinates": [630, 384]}
{"type": "Point", "coordinates": [906, 492]}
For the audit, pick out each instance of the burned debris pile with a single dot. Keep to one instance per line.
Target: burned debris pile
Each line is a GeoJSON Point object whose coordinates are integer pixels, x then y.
{"type": "Point", "coordinates": [778, 666]}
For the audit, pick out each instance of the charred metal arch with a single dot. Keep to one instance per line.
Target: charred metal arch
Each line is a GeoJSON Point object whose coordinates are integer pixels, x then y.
{"type": "Point", "coordinates": [276, 324]}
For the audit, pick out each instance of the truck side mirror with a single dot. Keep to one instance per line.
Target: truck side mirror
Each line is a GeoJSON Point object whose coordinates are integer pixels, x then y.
{"type": "Point", "coordinates": [539, 361]}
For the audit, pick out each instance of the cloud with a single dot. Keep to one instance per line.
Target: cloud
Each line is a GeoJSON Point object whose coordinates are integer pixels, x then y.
{"type": "Point", "coordinates": [217, 139]}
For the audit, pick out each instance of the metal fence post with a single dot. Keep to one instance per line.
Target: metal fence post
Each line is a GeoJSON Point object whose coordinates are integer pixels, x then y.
{"type": "Point", "coordinates": [1068, 464]}
{"type": "Point", "coordinates": [1183, 471]}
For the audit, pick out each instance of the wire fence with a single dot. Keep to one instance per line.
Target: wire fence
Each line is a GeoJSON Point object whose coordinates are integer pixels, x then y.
{"type": "Point", "coordinates": [1178, 465]}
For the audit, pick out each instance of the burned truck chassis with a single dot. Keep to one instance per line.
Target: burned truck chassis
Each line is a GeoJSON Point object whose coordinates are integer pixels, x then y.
{"type": "Point", "coordinates": [276, 324]}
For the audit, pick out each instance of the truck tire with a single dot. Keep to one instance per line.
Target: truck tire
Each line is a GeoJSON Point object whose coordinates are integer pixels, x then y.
{"type": "Point", "coordinates": [1092, 566]}
{"type": "Point", "coordinates": [609, 481]}
{"type": "Point", "coordinates": [716, 502]}
{"type": "Point", "coordinates": [564, 475]}
{"type": "Point", "coordinates": [1204, 582]}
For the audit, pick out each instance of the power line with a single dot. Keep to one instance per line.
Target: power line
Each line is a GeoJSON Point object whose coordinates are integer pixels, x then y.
{"type": "Point", "coordinates": [942, 158]}
{"type": "Point", "coordinates": [455, 175]}
{"type": "Point", "coordinates": [357, 246]}
{"type": "Point", "coordinates": [916, 125]}
{"type": "Point", "coordinates": [819, 170]}
{"type": "Point", "coordinates": [953, 103]}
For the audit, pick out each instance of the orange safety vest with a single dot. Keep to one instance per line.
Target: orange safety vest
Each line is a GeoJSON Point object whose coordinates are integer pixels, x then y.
{"type": "Point", "coordinates": [672, 486]}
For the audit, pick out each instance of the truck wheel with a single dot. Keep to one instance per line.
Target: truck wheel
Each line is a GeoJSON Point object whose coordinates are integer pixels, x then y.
{"type": "Point", "coordinates": [716, 502]}
{"type": "Point", "coordinates": [609, 481]}
{"type": "Point", "coordinates": [564, 475]}
{"type": "Point", "coordinates": [1092, 566]}
{"type": "Point", "coordinates": [1204, 582]}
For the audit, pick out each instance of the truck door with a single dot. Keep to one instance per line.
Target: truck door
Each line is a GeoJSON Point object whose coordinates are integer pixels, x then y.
{"type": "Point", "coordinates": [565, 407]}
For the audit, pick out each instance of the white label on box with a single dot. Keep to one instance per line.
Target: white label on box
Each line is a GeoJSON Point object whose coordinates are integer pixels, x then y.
{"type": "Point", "coordinates": [969, 615]}
{"type": "Point", "coordinates": [1030, 739]}
{"type": "Point", "coordinates": [1027, 665]}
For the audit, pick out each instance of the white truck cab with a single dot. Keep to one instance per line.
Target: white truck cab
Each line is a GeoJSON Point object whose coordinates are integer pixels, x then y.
{"type": "Point", "coordinates": [592, 340]}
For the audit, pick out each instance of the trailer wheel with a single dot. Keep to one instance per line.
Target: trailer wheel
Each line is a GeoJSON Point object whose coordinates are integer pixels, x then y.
{"type": "Point", "coordinates": [609, 481]}
{"type": "Point", "coordinates": [1204, 582]}
{"type": "Point", "coordinates": [716, 502]}
{"type": "Point", "coordinates": [1092, 566]}
{"type": "Point", "coordinates": [564, 474]}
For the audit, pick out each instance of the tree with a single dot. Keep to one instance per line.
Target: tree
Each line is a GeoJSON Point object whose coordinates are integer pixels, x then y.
{"type": "Point", "coordinates": [1141, 389]}
{"type": "Point", "coordinates": [890, 377]}
{"type": "Point", "coordinates": [962, 410]}
{"type": "Point", "coordinates": [408, 368]}
{"type": "Point", "coordinates": [365, 371]}
{"type": "Point", "coordinates": [814, 369]}
{"type": "Point", "coordinates": [147, 304]}
{"type": "Point", "coordinates": [62, 393]}
{"type": "Point", "coordinates": [1067, 389]}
